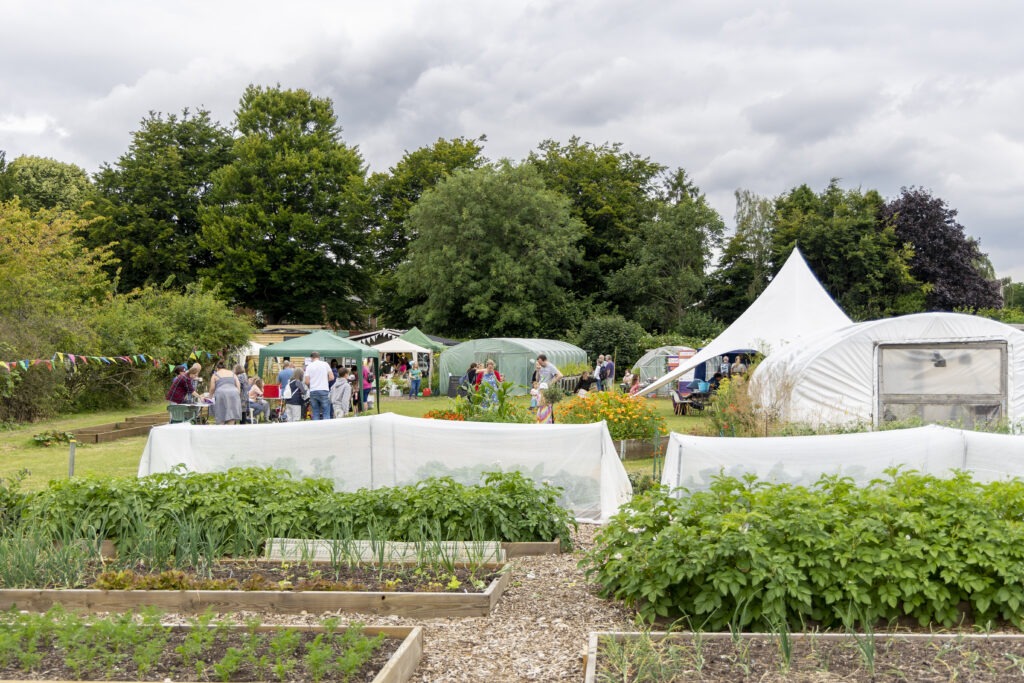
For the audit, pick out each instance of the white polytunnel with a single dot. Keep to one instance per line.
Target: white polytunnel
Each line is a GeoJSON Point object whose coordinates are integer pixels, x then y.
{"type": "Point", "coordinates": [392, 450]}
{"type": "Point", "coordinates": [952, 368]}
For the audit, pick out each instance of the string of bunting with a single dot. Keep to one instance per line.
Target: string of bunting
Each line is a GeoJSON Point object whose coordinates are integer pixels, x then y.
{"type": "Point", "coordinates": [72, 361]}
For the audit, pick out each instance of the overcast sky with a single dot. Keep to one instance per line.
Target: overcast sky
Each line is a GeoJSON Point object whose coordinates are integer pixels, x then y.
{"type": "Point", "coordinates": [756, 95]}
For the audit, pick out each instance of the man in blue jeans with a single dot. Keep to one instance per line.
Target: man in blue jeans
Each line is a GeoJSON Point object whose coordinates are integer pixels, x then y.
{"type": "Point", "coordinates": [318, 377]}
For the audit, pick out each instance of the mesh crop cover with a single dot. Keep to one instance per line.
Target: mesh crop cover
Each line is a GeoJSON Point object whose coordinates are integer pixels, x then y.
{"type": "Point", "coordinates": [392, 450]}
{"type": "Point", "coordinates": [692, 461]}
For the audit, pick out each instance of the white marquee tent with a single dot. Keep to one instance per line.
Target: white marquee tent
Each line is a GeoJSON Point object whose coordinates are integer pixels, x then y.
{"type": "Point", "coordinates": [399, 345]}
{"type": "Point", "coordinates": [793, 306]}
{"type": "Point", "coordinates": [938, 367]}
{"type": "Point", "coordinates": [392, 450]}
{"type": "Point", "coordinates": [692, 461]}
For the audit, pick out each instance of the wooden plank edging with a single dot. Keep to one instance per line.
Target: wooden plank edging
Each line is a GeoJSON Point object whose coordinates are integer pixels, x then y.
{"type": "Point", "coordinates": [398, 669]}
{"type": "Point", "coordinates": [422, 605]}
{"type": "Point", "coordinates": [590, 655]}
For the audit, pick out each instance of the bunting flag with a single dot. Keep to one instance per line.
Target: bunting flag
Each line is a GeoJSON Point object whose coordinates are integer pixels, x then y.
{"type": "Point", "coordinates": [71, 361]}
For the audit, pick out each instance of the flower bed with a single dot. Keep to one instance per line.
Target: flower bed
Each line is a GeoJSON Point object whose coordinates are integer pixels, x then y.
{"type": "Point", "coordinates": [62, 646]}
{"type": "Point", "coordinates": [626, 417]}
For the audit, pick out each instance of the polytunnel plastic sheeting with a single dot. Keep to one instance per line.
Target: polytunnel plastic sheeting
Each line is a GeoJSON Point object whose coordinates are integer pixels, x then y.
{"type": "Point", "coordinates": [831, 378]}
{"type": "Point", "coordinates": [391, 450]}
{"type": "Point", "coordinates": [692, 461]}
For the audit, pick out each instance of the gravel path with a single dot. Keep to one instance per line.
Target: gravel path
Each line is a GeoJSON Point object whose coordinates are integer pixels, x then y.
{"type": "Point", "coordinates": [537, 632]}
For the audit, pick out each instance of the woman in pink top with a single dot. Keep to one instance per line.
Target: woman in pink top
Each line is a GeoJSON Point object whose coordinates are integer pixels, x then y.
{"type": "Point", "coordinates": [367, 383]}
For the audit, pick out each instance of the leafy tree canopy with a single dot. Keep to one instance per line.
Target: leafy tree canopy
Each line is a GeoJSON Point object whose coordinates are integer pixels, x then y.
{"type": "Point", "coordinates": [150, 198]}
{"type": "Point", "coordinates": [491, 255]}
{"type": "Point", "coordinates": [663, 277]}
{"type": "Point", "coordinates": [282, 219]}
{"type": "Point", "coordinates": [612, 334]}
{"type": "Point", "coordinates": [745, 267]}
{"type": "Point", "coordinates": [858, 259]}
{"type": "Point", "coordinates": [42, 183]}
{"type": "Point", "coordinates": [944, 256]}
{"type": "Point", "coordinates": [612, 192]}
{"type": "Point", "coordinates": [392, 195]}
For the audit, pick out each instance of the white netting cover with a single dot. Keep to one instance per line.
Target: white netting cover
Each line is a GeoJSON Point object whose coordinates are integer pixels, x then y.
{"type": "Point", "coordinates": [391, 450]}
{"type": "Point", "coordinates": [691, 461]}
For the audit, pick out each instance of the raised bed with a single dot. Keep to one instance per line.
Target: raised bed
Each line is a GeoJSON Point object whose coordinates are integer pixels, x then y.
{"type": "Point", "coordinates": [132, 426]}
{"type": "Point", "coordinates": [425, 605]}
{"type": "Point", "coordinates": [398, 668]}
{"type": "Point", "coordinates": [719, 657]}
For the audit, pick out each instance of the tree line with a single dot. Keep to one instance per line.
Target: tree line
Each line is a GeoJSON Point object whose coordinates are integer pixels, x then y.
{"type": "Point", "coordinates": [281, 217]}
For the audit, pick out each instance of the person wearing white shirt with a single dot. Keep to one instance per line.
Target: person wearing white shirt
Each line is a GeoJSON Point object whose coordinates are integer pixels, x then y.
{"type": "Point", "coordinates": [318, 376]}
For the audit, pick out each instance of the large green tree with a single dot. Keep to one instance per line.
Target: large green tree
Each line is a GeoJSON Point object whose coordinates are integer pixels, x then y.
{"type": "Point", "coordinates": [746, 264]}
{"type": "Point", "coordinates": [150, 198]}
{"type": "Point", "coordinates": [42, 183]}
{"type": "Point", "coordinates": [944, 256]}
{"type": "Point", "coordinates": [492, 255]}
{"type": "Point", "coordinates": [283, 219]}
{"type": "Point", "coordinates": [663, 278]}
{"type": "Point", "coordinates": [391, 196]}
{"type": "Point", "coordinates": [612, 192]}
{"type": "Point", "coordinates": [856, 256]}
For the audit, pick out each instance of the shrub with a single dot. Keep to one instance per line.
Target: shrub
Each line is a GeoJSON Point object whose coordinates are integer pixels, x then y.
{"type": "Point", "coordinates": [627, 417]}
{"type": "Point", "coordinates": [747, 554]}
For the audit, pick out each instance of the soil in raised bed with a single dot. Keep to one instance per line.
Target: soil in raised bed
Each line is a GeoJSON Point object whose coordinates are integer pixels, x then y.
{"type": "Point", "coordinates": [287, 576]}
{"type": "Point", "coordinates": [171, 665]}
{"type": "Point", "coordinates": [814, 660]}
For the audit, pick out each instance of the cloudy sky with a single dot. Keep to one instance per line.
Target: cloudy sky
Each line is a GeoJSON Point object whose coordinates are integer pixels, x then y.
{"type": "Point", "coordinates": [742, 94]}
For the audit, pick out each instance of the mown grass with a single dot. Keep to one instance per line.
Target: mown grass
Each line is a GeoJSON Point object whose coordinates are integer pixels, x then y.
{"type": "Point", "coordinates": [121, 458]}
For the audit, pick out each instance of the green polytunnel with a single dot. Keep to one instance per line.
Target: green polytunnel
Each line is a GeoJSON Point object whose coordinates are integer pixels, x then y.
{"type": "Point", "coordinates": [514, 358]}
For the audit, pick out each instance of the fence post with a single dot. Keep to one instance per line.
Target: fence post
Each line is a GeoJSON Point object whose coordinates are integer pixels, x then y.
{"type": "Point", "coordinates": [71, 458]}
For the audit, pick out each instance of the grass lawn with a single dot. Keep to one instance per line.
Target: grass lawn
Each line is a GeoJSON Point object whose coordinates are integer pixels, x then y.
{"type": "Point", "coordinates": [121, 458]}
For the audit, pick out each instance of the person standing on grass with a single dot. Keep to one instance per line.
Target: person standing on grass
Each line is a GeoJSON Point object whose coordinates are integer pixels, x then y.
{"type": "Point", "coordinates": [284, 376]}
{"type": "Point", "coordinates": [548, 373]}
{"type": "Point", "coordinates": [545, 411]}
{"type": "Point", "coordinates": [318, 376]}
{"type": "Point", "coordinates": [415, 377]}
{"type": "Point", "coordinates": [341, 394]}
{"type": "Point", "coordinates": [608, 383]}
{"type": "Point", "coordinates": [295, 402]}
{"type": "Point", "coordinates": [367, 384]}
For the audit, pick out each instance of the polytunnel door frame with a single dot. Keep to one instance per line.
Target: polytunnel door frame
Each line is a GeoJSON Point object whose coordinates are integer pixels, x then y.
{"type": "Point", "coordinates": [910, 382]}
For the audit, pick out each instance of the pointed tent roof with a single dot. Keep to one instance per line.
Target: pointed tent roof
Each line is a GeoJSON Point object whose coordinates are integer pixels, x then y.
{"type": "Point", "coordinates": [793, 305]}
{"type": "Point", "coordinates": [323, 342]}
{"type": "Point", "coordinates": [419, 339]}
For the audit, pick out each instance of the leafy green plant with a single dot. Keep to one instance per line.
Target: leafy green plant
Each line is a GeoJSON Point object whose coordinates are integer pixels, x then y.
{"type": "Point", "coordinates": [52, 438]}
{"type": "Point", "coordinates": [752, 555]}
{"type": "Point", "coordinates": [487, 404]}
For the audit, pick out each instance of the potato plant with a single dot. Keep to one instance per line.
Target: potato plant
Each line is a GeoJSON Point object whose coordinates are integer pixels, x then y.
{"type": "Point", "coordinates": [748, 554]}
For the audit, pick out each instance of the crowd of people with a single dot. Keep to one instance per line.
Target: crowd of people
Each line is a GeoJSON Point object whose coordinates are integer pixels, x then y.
{"type": "Point", "coordinates": [322, 390]}
{"type": "Point", "coordinates": [327, 390]}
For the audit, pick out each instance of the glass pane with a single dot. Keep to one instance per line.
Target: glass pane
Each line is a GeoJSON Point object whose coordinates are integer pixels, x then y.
{"type": "Point", "coordinates": [962, 415]}
{"type": "Point", "coordinates": [941, 370]}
